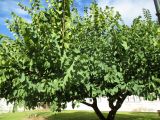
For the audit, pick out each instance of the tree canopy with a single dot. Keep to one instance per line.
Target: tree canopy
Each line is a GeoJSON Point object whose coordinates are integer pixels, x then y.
{"type": "Point", "coordinates": [61, 57]}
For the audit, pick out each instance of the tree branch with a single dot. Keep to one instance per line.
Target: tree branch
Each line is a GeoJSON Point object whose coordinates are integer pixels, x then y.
{"type": "Point", "coordinates": [88, 104]}
{"type": "Point", "coordinates": [94, 101]}
{"type": "Point", "coordinates": [94, 104]}
{"type": "Point", "coordinates": [111, 105]}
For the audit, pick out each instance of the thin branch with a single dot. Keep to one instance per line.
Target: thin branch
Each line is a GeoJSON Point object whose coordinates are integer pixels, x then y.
{"type": "Point", "coordinates": [88, 104]}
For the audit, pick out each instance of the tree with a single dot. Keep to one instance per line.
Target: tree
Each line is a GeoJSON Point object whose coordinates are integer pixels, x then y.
{"type": "Point", "coordinates": [115, 60]}
{"type": "Point", "coordinates": [62, 57]}
{"type": "Point", "coordinates": [32, 64]}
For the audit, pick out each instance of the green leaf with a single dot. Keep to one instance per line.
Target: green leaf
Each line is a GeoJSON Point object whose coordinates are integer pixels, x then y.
{"type": "Point", "coordinates": [124, 44]}
{"type": "Point", "coordinates": [22, 77]}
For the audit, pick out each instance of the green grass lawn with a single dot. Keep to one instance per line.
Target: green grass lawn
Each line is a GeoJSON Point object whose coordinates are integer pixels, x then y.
{"type": "Point", "coordinates": [77, 115]}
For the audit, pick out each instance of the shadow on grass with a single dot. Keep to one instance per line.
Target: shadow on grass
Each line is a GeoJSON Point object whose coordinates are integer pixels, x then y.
{"type": "Point", "coordinates": [85, 115]}
{"type": "Point", "coordinates": [73, 116]}
{"type": "Point", "coordinates": [76, 115]}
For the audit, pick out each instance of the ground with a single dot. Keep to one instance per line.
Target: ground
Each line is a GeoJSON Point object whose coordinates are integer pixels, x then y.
{"type": "Point", "coordinates": [74, 115]}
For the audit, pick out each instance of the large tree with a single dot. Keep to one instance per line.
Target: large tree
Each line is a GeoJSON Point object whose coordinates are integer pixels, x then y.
{"type": "Point", "coordinates": [61, 57]}
{"type": "Point", "coordinates": [115, 60]}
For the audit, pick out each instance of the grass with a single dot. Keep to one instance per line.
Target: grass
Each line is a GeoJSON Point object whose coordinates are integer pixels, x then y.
{"type": "Point", "coordinates": [75, 115]}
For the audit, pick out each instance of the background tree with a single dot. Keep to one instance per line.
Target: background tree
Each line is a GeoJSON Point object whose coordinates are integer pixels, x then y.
{"type": "Point", "coordinates": [62, 57]}
{"type": "Point", "coordinates": [32, 65]}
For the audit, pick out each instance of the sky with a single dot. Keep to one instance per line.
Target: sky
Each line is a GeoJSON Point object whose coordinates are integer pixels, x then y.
{"type": "Point", "coordinates": [129, 9]}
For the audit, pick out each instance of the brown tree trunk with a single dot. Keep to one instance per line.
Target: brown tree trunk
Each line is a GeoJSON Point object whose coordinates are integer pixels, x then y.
{"type": "Point", "coordinates": [97, 111]}
{"type": "Point", "coordinates": [111, 115]}
{"type": "Point", "coordinates": [119, 101]}
{"type": "Point", "coordinates": [99, 114]}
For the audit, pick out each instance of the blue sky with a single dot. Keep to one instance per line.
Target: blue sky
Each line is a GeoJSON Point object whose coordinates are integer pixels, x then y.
{"type": "Point", "coordinates": [129, 9]}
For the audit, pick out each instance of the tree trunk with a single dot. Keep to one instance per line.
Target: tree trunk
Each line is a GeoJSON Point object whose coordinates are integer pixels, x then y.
{"type": "Point", "coordinates": [96, 109]}
{"type": "Point", "coordinates": [111, 115]}
{"type": "Point", "coordinates": [119, 101]}
{"type": "Point", "coordinates": [99, 113]}
{"type": "Point", "coordinates": [15, 107]}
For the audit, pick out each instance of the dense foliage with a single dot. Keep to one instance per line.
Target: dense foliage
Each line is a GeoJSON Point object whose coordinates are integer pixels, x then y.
{"type": "Point", "coordinates": [61, 57]}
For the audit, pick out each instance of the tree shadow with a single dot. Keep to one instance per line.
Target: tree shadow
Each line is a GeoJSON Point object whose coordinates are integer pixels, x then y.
{"type": "Point", "coordinates": [80, 115]}
{"type": "Point", "coordinates": [85, 115]}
